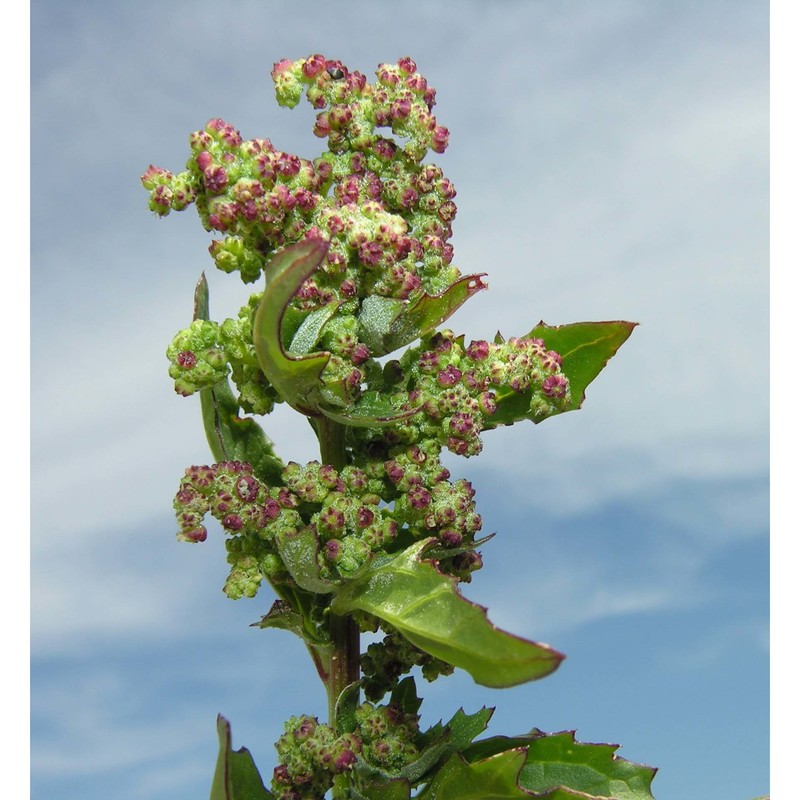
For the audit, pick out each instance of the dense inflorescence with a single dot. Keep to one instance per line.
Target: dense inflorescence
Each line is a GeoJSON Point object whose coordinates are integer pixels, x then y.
{"type": "Point", "coordinates": [385, 662]}
{"type": "Point", "coordinates": [310, 754]}
{"type": "Point", "coordinates": [386, 216]}
{"type": "Point", "coordinates": [352, 514]}
{"type": "Point", "coordinates": [381, 219]}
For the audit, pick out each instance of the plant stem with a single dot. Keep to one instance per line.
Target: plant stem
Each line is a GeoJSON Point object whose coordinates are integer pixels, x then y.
{"type": "Point", "coordinates": [344, 666]}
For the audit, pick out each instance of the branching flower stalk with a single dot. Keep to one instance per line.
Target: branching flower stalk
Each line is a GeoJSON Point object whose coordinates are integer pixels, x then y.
{"type": "Point", "coordinates": [353, 249]}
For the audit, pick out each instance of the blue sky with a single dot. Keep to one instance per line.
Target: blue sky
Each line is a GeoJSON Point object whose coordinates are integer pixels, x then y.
{"type": "Point", "coordinates": [611, 161]}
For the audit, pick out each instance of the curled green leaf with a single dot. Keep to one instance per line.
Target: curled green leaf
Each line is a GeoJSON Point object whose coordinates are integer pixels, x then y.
{"type": "Point", "coordinates": [296, 378]}
{"type": "Point", "coordinates": [298, 551]}
{"type": "Point", "coordinates": [426, 607]}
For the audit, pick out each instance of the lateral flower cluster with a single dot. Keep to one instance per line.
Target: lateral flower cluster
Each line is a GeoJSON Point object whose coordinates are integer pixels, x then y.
{"type": "Point", "coordinates": [353, 515]}
{"type": "Point", "coordinates": [456, 387]}
{"type": "Point", "coordinates": [311, 754]}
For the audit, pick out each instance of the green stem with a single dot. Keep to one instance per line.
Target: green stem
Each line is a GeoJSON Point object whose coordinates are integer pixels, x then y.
{"type": "Point", "coordinates": [346, 652]}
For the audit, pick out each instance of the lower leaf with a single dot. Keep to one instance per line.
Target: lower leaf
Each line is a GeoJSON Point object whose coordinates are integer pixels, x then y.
{"type": "Point", "coordinates": [426, 607]}
{"type": "Point", "coordinates": [236, 776]}
{"type": "Point", "coordinates": [557, 761]}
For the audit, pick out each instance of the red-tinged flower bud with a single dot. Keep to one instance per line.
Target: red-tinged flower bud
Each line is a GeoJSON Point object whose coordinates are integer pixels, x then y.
{"type": "Point", "coordinates": [306, 728]}
{"type": "Point", "coordinates": [449, 376]}
{"type": "Point", "coordinates": [555, 386]}
{"type": "Point", "coordinates": [447, 211]}
{"type": "Point", "coordinates": [394, 471]}
{"type": "Point", "coordinates": [284, 65]}
{"type": "Point", "coordinates": [198, 534]}
{"type": "Point", "coordinates": [478, 350]}
{"type": "Point", "coordinates": [224, 131]}
{"type": "Point", "coordinates": [288, 165]}
{"type": "Point", "coordinates": [313, 65]}
{"type": "Point", "coordinates": [419, 497]}
{"type": "Point", "coordinates": [450, 537]}
{"type": "Point", "coordinates": [462, 424]}
{"type": "Point", "coordinates": [446, 189]}
{"type": "Point", "coordinates": [287, 499]}
{"type": "Point", "coordinates": [552, 360]}
{"type": "Point", "coordinates": [441, 138]}
{"type": "Point", "coordinates": [360, 353]}
{"type": "Point", "coordinates": [344, 761]}
{"type": "Point", "coordinates": [331, 520]}
{"type": "Point", "coordinates": [322, 126]}
{"type": "Point", "coordinates": [161, 199]}
{"type": "Point", "coordinates": [488, 402]}
{"type": "Point", "coordinates": [407, 65]}
{"type": "Point", "coordinates": [281, 775]}
{"type": "Point", "coordinates": [364, 517]}
{"type": "Point", "coordinates": [332, 550]}
{"type": "Point", "coordinates": [272, 509]}
{"type": "Point", "coordinates": [232, 522]}
{"type": "Point", "coordinates": [457, 446]}
{"type": "Point", "coordinates": [472, 381]}
{"type": "Point", "coordinates": [370, 253]}
{"type": "Point", "coordinates": [155, 176]}
{"type": "Point", "coordinates": [247, 488]}
{"type": "Point", "coordinates": [384, 149]}
{"type": "Point", "coordinates": [401, 108]}
{"type": "Point", "coordinates": [204, 160]}
{"type": "Point", "coordinates": [186, 359]}
{"type": "Point", "coordinates": [411, 283]}
{"type": "Point", "coordinates": [216, 179]}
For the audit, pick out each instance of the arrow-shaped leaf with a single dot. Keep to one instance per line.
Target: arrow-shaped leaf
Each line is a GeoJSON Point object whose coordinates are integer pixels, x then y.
{"type": "Point", "coordinates": [236, 776]}
{"type": "Point", "coordinates": [427, 608]}
{"type": "Point", "coordinates": [585, 347]}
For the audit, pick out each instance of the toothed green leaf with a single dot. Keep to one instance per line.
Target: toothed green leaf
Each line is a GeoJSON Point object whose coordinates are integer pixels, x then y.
{"type": "Point", "coordinates": [558, 761]}
{"type": "Point", "coordinates": [585, 348]}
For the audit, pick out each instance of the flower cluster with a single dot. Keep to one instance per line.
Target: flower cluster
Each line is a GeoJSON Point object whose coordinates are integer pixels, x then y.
{"type": "Point", "coordinates": [206, 352]}
{"type": "Point", "coordinates": [310, 755]}
{"type": "Point", "coordinates": [196, 358]}
{"type": "Point", "coordinates": [385, 662]}
{"type": "Point", "coordinates": [458, 389]}
{"type": "Point", "coordinates": [388, 217]}
{"type": "Point", "coordinates": [353, 514]}
{"type": "Point", "coordinates": [388, 736]}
